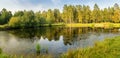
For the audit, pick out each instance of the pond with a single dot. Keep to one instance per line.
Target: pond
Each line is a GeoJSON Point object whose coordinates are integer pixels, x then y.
{"type": "Point", "coordinates": [56, 40]}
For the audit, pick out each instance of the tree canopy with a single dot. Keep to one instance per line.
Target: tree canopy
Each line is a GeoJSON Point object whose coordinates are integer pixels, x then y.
{"type": "Point", "coordinates": [5, 16]}
{"type": "Point", "coordinates": [70, 14]}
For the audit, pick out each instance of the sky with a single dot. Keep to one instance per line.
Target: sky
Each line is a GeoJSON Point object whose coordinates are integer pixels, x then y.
{"type": "Point", "coordinates": [40, 5]}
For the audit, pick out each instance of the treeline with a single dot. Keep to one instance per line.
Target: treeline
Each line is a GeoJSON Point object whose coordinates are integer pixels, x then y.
{"type": "Point", "coordinates": [70, 14]}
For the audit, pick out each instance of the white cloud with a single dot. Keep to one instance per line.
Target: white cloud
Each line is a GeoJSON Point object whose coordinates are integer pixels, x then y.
{"type": "Point", "coordinates": [15, 5]}
{"type": "Point", "coordinates": [56, 1]}
{"type": "Point", "coordinates": [8, 4]}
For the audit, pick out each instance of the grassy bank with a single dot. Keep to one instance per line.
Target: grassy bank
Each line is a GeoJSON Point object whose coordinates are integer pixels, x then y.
{"type": "Point", "coordinates": [8, 27]}
{"type": "Point", "coordinates": [102, 25]}
{"type": "Point", "coordinates": [79, 25]}
{"type": "Point", "coordinates": [3, 26]}
{"type": "Point", "coordinates": [55, 24]}
{"type": "Point", "coordinates": [109, 48]}
{"type": "Point", "coordinates": [92, 25]}
{"type": "Point", "coordinates": [25, 56]}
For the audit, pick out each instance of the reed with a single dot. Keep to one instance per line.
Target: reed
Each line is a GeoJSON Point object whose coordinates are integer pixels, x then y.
{"type": "Point", "coordinates": [0, 50]}
{"type": "Point", "coordinates": [38, 48]}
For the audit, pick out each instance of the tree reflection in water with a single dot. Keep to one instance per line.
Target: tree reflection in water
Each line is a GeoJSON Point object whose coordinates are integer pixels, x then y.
{"type": "Point", "coordinates": [70, 35]}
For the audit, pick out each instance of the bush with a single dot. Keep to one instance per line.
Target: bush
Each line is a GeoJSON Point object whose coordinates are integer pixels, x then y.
{"type": "Point", "coordinates": [14, 22]}
{"type": "Point", "coordinates": [38, 48]}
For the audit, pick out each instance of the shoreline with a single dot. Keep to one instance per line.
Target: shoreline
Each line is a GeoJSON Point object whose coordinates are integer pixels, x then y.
{"type": "Point", "coordinates": [91, 25]}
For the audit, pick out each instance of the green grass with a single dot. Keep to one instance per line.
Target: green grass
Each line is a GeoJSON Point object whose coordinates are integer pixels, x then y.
{"type": "Point", "coordinates": [25, 56]}
{"type": "Point", "coordinates": [79, 25]}
{"type": "Point", "coordinates": [55, 24]}
{"type": "Point", "coordinates": [0, 50]}
{"type": "Point", "coordinates": [109, 48]}
{"type": "Point", "coordinates": [38, 48]}
{"type": "Point", "coordinates": [58, 24]}
{"type": "Point", "coordinates": [92, 25]}
{"type": "Point", "coordinates": [3, 26]}
{"type": "Point", "coordinates": [102, 25]}
{"type": "Point", "coordinates": [2, 55]}
{"type": "Point", "coordinates": [116, 25]}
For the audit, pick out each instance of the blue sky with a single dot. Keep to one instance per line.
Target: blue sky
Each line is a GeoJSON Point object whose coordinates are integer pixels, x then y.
{"type": "Point", "coordinates": [36, 5]}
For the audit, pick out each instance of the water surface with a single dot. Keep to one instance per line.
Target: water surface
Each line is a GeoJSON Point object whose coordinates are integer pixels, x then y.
{"type": "Point", "coordinates": [56, 40]}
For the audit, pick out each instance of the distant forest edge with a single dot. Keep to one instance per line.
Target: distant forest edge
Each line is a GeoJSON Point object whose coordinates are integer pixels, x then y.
{"type": "Point", "coordinates": [71, 14]}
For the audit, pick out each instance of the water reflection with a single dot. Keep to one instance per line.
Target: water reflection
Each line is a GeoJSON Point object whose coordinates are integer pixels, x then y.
{"type": "Point", "coordinates": [54, 33]}
{"type": "Point", "coordinates": [56, 39]}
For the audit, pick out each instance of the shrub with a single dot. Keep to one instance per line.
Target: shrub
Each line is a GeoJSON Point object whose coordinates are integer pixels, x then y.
{"type": "Point", "coordinates": [14, 22]}
{"type": "Point", "coordinates": [38, 48]}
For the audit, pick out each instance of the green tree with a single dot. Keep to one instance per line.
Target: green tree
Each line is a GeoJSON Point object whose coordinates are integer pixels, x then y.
{"type": "Point", "coordinates": [65, 14]}
{"type": "Point", "coordinates": [116, 16]}
{"type": "Point", "coordinates": [57, 15]}
{"type": "Point", "coordinates": [15, 22]}
{"type": "Point", "coordinates": [96, 16]}
{"type": "Point", "coordinates": [70, 14]}
{"type": "Point", "coordinates": [87, 14]}
{"type": "Point", "coordinates": [44, 14]}
{"type": "Point", "coordinates": [5, 16]}
{"type": "Point", "coordinates": [110, 13]}
{"type": "Point", "coordinates": [105, 15]}
{"type": "Point", "coordinates": [50, 17]}
{"type": "Point", "coordinates": [18, 13]}
{"type": "Point", "coordinates": [79, 14]}
{"type": "Point", "coordinates": [39, 19]}
{"type": "Point", "coordinates": [28, 19]}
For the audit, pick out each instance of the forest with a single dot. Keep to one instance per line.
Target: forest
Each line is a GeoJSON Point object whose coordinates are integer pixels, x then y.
{"type": "Point", "coordinates": [70, 14]}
